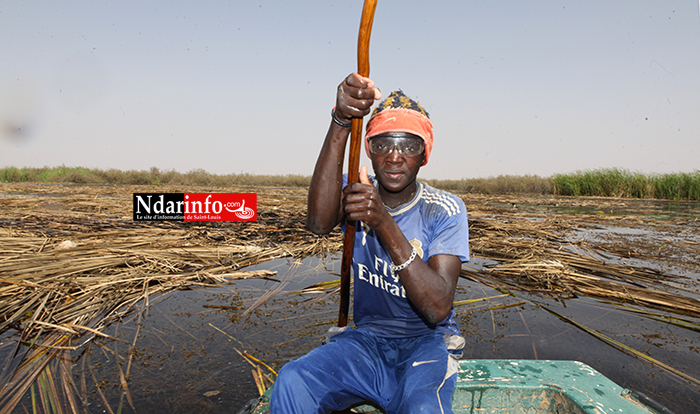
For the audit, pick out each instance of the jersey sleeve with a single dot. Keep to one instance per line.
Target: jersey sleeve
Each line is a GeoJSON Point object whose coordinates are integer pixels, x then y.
{"type": "Point", "coordinates": [451, 231]}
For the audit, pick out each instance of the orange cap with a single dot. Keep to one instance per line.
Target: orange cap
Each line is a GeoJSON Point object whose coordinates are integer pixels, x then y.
{"type": "Point", "coordinates": [401, 120]}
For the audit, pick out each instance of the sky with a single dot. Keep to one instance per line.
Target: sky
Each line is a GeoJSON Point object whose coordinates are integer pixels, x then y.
{"type": "Point", "coordinates": [512, 87]}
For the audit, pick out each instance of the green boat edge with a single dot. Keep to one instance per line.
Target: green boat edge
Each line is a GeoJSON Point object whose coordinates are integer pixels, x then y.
{"type": "Point", "coordinates": [525, 386]}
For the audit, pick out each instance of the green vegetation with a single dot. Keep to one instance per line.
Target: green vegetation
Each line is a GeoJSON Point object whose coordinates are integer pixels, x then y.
{"type": "Point", "coordinates": [152, 177]}
{"type": "Point", "coordinates": [615, 182]}
{"type": "Point", "coordinates": [612, 182]}
{"type": "Point", "coordinates": [503, 184]}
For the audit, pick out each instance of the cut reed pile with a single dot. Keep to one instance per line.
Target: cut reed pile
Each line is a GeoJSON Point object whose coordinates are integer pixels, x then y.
{"type": "Point", "coordinates": [72, 261]}
{"type": "Point", "coordinates": [71, 264]}
{"type": "Point", "coordinates": [533, 254]}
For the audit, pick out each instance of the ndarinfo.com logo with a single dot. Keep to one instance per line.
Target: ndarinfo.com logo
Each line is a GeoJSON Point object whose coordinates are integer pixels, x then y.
{"type": "Point", "coordinates": [195, 206]}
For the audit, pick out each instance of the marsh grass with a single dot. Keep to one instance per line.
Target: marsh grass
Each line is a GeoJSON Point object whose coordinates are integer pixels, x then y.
{"type": "Point", "coordinates": [611, 182]}
{"type": "Point", "coordinates": [622, 183]}
{"type": "Point", "coordinates": [154, 176]}
{"type": "Point", "coordinates": [58, 299]}
{"type": "Point", "coordinates": [502, 184]}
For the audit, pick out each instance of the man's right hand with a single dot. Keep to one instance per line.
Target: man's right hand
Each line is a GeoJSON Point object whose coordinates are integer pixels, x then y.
{"type": "Point", "coordinates": [362, 202]}
{"type": "Point", "coordinates": [356, 95]}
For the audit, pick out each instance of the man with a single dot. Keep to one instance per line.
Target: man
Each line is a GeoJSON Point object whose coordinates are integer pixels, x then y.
{"type": "Point", "coordinates": [410, 243]}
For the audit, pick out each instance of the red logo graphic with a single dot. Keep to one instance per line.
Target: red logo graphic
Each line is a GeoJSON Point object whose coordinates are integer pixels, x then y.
{"type": "Point", "coordinates": [221, 207]}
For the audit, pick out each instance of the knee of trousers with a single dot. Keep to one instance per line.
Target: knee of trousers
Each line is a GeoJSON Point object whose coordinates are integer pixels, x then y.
{"type": "Point", "coordinates": [291, 376]}
{"type": "Point", "coordinates": [301, 376]}
{"type": "Point", "coordinates": [291, 393]}
{"type": "Point", "coordinates": [300, 389]}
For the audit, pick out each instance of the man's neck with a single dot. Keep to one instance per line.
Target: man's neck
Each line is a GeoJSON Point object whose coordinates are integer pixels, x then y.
{"type": "Point", "coordinates": [394, 200]}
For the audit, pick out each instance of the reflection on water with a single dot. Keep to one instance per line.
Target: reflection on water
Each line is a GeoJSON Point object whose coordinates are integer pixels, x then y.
{"type": "Point", "coordinates": [180, 356]}
{"type": "Point", "coordinates": [183, 363]}
{"type": "Point", "coordinates": [176, 360]}
{"type": "Point", "coordinates": [676, 248]}
{"type": "Point", "coordinates": [629, 207]}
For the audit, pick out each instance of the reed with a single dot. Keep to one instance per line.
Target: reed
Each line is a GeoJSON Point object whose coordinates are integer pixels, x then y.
{"type": "Point", "coordinates": [154, 176]}
{"type": "Point", "coordinates": [612, 182]}
{"type": "Point", "coordinates": [59, 296]}
{"type": "Point", "coordinates": [616, 182]}
{"type": "Point", "coordinates": [502, 184]}
{"type": "Point", "coordinates": [58, 300]}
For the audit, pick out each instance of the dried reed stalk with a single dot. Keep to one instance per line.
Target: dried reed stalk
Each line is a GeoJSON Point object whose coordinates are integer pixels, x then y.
{"type": "Point", "coordinates": [57, 299]}
{"type": "Point", "coordinates": [69, 268]}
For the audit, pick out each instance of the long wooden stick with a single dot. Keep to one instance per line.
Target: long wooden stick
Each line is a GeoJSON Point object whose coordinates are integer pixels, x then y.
{"type": "Point", "coordinates": [354, 159]}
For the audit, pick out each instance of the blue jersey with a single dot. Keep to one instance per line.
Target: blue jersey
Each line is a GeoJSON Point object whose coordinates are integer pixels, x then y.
{"type": "Point", "coordinates": [434, 222]}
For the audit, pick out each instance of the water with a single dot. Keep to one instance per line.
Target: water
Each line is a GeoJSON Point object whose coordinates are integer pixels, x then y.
{"type": "Point", "coordinates": [181, 362]}
{"type": "Point", "coordinates": [180, 356]}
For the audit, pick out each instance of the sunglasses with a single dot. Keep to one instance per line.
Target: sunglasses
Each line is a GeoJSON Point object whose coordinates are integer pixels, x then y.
{"type": "Point", "coordinates": [408, 146]}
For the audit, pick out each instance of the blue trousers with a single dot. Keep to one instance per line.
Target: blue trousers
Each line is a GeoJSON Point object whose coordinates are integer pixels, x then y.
{"type": "Point", "coordinates": [411, 375]}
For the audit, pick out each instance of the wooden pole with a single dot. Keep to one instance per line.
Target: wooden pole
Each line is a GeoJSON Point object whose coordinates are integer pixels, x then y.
{"type": "Point", "coordinates": [354, 160]}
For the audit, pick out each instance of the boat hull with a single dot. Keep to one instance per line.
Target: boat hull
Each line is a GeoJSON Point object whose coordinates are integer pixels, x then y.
{"type": "Point", "coordinates": [488, 386]}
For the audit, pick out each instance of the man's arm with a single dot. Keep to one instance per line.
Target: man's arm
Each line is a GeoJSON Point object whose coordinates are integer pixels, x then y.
{"type": "Point", "coordinates": [354, 98]}
{"type": "Point", "coordinates": [430, 287]}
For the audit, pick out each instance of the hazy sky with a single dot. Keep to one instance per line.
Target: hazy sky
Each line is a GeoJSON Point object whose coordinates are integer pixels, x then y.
{"type": "Point", "coordinates": [513, 87]}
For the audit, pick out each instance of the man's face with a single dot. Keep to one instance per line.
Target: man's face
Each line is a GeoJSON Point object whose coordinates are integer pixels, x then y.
{"type": "Point", "coordinates": [396, 159]}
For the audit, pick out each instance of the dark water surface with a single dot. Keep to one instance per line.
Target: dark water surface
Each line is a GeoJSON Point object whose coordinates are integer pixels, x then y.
{"type": "Point", "coordinates": [181, 362]}
{"type": "Point", "coordinates": [180, 356]}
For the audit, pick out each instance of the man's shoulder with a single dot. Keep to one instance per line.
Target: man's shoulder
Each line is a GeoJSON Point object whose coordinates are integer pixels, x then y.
{"type": "Point", "coordinates": [441, 201]}
{"type": "Point", "coordinates": [427, 188]}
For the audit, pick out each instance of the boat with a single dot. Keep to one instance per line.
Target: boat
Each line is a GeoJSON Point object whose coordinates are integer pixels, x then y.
{"type": "Point", "coordinates": [490, 386]}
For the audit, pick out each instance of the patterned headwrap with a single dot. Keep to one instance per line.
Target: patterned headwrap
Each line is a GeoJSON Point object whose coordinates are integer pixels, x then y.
{"type": "Point", "coordinates": [399, 113]}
